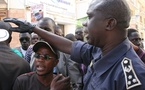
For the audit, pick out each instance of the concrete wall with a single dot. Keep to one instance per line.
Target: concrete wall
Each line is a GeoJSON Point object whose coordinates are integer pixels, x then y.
{"type": "Point", "coordinates": [16, 13]}
{"type": "Point", "coordinates": [16, 9]}
{"type": "Point", "coordinates": [82, 7]}
{"type": "Point", "coordinates": [70, 29]}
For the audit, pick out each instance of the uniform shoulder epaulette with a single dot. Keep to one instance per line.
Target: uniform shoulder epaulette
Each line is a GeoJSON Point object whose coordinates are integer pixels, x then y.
{"type": "Point", "coordinates": [130, 75]}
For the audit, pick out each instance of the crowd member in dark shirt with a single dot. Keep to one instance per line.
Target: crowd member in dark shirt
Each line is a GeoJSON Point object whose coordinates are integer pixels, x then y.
{"type": "Point", "coordinates": [11, 65]}
{"type": "Point", "coordinates": [46, 58]}
{"type": "Point", "coordinates": [79, 33]}
{"type": "Point", "coordinates": [68, 67]}
{"type": "Point", "coordinates": [134, 37]}
{"type": "Point", "coordinates": [25, 40]}
{"type": "Point", "coordinates": [136, 42]}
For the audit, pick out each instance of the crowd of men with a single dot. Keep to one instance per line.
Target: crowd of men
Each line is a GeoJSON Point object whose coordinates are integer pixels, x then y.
{"type": "Point", "coordinates": [104, 54]}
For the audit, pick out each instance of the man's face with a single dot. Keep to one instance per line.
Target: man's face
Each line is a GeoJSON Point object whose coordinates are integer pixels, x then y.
{"type": "Point", "coordinates": [135, 38]}
{"type": "Point", "coordinates": [59, 32]}
{"type": "Point", "coordinates": [25, 40]}
{"type": "Point", "coordinates": [95, 24]}
{"type": "Point", "coordinates": [45, 66]}
{"type": "Point", "coordinates": [79, 34]}
{"type": "Point", "coordinates": [47, 25]}
{"type": "Point", "coordinates": [34, 38]}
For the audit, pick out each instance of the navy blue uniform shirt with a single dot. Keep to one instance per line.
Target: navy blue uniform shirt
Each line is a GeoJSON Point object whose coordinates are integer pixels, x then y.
{"type": "Point", "coordinates": [120, 69]}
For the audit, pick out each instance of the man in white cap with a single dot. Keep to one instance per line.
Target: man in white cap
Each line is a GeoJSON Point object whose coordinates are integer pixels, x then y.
{"type": "Point", "coordinates": [4, 35]}
{"type": "Point", "coordinates": [11, 65]}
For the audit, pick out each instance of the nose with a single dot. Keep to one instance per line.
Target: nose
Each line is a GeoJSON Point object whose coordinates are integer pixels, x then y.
{"type": "Point", "coordinates": [24, 41]}
{"type": "Point", "coordinates": [138, 43]}
{"type": "Point", "coordinates": [85, 23]}
{"type": "Point", "coordinates": [40, 59]}
{"type": "Point", "coordinates": [79, 33]}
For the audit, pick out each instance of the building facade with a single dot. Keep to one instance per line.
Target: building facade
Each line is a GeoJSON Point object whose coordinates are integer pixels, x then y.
{"type": "Point", "coordinates": [63, 12]}
{"type": "Point", "coordinates": [137, 14]}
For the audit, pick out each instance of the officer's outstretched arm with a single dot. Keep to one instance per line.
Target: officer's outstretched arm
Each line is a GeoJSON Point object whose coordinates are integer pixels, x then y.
{"type": "Point", "coordinates": [60, 43]}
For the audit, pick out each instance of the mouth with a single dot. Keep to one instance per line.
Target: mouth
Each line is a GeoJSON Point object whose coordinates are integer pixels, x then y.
{"type": "Point", "coordinates": [40, 68]}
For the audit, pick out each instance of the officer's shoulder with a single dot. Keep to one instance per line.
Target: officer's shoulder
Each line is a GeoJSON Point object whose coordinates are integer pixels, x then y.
{"type": "Point", "coordinates": [131, 78]}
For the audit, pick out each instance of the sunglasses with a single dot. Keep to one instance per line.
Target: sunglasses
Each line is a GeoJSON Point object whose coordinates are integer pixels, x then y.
{"type": "Point", "coordinates": [79, 32]}
{"type": "Point", "coordinates": [26, 39]}
{"type": "Point", "coordinates": [45, 57]}
{"type": "Point", "coordinates": [136, 39]}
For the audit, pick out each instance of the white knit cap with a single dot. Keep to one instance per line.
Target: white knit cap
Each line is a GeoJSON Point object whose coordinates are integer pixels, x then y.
{"type": "Point", "coordinates": [4, 35]}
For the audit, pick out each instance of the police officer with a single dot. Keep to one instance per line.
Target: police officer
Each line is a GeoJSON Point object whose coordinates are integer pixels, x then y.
{"type": "Point", "coordinates": [114, 66]}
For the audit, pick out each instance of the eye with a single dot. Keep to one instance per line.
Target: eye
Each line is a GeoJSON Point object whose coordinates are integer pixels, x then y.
{"type": "Point", "coordinates": [22, 39]}
{"type": "Point", "coordinates": [44, 57]}
{"type": "Point", "coordinates": [46, 28]}
{"type": "Point", "coordinates": [89, 16]}
{"type": "Point", "coordinates": [36, 55]}
{"type": "Point", "coordinates": [47, 57]}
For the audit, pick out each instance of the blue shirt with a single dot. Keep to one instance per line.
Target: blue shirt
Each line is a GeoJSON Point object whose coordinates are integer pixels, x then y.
{"type": "Point", "coordinates": [120, 69]}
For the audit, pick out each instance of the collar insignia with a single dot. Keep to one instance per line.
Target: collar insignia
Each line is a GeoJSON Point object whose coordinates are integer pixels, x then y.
{"type": "Point", "coordinates": [130, 75]}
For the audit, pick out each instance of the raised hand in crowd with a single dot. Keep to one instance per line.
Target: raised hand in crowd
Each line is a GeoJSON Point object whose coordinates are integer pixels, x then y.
{"type": "Point", "coordinates": [61, 83]}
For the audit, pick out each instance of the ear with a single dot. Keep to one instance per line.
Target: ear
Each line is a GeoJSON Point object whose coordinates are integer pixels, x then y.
{"type": "Point", "coordinates": [111, 23]}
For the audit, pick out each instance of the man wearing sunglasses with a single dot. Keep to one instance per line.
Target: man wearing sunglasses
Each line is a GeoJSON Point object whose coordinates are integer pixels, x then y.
{"type": "Point", "coordinates": [25, 40]}
{"type": "Point", "coordinates": [46, 58]}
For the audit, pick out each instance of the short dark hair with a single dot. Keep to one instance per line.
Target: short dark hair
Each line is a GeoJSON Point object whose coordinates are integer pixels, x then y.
{"type": "Point", "coordinates": [79, 28]}
{"type": "Point", "coordinates": [47, 45]}
{"type": "Point", "coordinates": [118, 9]}
{"type": "Point", "coordinates": [70, 37]}
{"type": "Point", "coordinates": [46, 19]}
{"type": "Point", "coordinates": [130, 31]}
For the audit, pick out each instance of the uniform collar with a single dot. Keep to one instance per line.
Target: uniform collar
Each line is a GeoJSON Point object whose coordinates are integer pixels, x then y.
{"type": "Point", "coordinates": [114, 56]}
